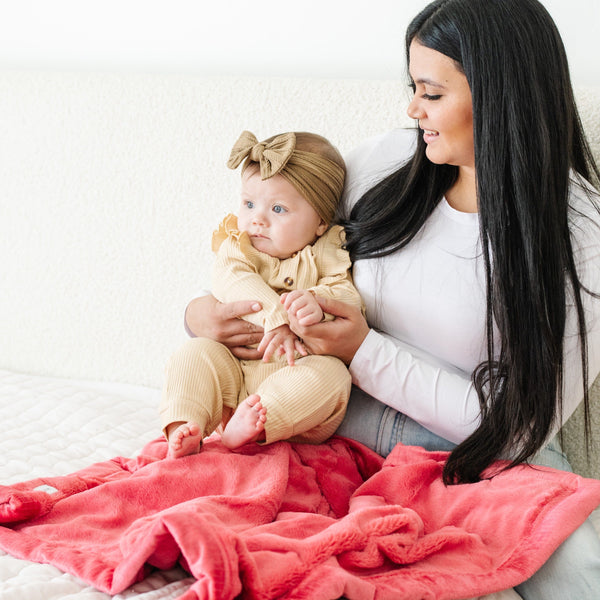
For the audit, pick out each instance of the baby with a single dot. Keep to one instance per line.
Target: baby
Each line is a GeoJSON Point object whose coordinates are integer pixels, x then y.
{"type": "Point", "coordinates": [281, 251]}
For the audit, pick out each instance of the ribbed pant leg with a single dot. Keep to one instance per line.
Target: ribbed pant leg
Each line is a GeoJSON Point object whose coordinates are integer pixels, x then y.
{"type": "Point", "coordinates": [200, 378]}
{"type": "Point", "coordinates": [305, 402]}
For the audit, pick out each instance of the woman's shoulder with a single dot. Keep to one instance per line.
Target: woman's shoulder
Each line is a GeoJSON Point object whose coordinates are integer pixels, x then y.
{"type": "Point", "coordinates": [383, 150]}
{"type": "Point", "coordinates": [375, 158]}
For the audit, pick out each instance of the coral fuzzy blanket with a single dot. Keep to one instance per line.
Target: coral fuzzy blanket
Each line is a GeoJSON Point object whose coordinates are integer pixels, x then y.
{"type": "Point", "coordinates": [296, 521]}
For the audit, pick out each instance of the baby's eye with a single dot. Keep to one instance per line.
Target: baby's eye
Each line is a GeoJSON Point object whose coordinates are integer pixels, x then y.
{"type": "Point", "coordinates": [249, 204]}
{"type": "Point", "coordinates": [279, 209]}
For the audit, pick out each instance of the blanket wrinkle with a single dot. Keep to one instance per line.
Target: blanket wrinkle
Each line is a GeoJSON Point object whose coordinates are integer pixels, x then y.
{"type": "Point", "coordinates": [294, 521]}
{"type": "Point", "coordinates": [332, 478]}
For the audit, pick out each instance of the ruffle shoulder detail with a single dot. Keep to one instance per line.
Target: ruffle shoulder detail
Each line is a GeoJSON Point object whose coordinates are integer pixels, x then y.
{"type": "Point", "coordinates": [227, 229]}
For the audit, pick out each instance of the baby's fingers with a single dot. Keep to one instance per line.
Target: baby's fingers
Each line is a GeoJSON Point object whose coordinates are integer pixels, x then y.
{"type": "Point", "coordinates": [270, 347]}
{"type": "Point", "coordinates": [289, 347]}
{"type": "Point", "coordinates": [287, 299]}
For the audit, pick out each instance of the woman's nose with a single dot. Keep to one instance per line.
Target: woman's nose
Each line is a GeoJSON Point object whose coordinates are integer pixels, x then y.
{"type": "Point", "coordinates": [414, 110]}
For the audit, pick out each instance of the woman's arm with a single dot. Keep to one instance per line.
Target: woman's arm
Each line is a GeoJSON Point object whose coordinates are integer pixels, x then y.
{"type": "Point", "coordinates": [438, 397]}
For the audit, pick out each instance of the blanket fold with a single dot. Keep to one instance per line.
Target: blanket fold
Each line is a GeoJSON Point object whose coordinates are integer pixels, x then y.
{"type": "Point", "coordinates": [296, 521]}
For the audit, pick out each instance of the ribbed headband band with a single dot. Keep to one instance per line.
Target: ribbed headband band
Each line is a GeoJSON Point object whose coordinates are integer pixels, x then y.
{"type": "Point", "coordinates": [317, 178]}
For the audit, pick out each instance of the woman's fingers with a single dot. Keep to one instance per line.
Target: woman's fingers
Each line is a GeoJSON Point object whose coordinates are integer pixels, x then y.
{"type": "Point", "coordinates": [341, 337]}
{"type": "Point", "coordinates": [238, 309]}
{"type": "Point", "coordinates": [337, 308]}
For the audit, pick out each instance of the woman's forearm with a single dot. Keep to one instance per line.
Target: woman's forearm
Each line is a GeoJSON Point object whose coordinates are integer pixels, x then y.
{"type": "Point", "coordinates": [440, 398]}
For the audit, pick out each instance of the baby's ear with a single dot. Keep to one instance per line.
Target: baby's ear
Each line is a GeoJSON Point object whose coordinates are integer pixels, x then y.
{"type": "Point", "coordinates": [322, 228]}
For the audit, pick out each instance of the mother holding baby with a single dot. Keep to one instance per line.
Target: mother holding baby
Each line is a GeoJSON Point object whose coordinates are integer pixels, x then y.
{"type": "Point", "coordinates": [476, 250]}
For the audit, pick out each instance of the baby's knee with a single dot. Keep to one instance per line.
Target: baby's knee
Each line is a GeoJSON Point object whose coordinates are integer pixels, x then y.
{"type": "Point", "coordinates": [198, 349]}
{"type": "Point", "coordinates": [336, 371]}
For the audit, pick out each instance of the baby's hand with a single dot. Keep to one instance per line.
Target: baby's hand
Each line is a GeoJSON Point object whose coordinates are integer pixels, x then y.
{"type": "Point", "coordinates": [303, 306]}
{"type": "Point", "coordinates": [282, 341]}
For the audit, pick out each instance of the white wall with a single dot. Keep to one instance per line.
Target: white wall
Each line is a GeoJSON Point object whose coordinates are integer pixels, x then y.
{"type": "Point", "coordinates": [303, 38]}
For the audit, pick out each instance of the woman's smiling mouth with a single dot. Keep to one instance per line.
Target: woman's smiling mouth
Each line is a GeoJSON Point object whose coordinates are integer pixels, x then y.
{"type": "Point", "coordinates": [429, 135]}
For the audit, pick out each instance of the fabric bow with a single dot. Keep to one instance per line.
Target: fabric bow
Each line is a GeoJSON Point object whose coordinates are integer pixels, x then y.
{"type": "Point", "coordinates": [272, 156]}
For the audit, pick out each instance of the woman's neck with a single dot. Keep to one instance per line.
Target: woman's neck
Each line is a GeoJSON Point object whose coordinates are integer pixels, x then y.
{"type": "Point", "coordinates": [462, 196]}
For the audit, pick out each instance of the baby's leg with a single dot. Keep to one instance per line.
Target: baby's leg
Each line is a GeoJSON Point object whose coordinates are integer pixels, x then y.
{"type": "Point", "coordinates": [184, 439]}
{"type": "Point", "coordinates": [200, 378]}
{"type": "Point", "coordinates": [246, 424]}
{"type": "Point", "coordinates": [305, 402]}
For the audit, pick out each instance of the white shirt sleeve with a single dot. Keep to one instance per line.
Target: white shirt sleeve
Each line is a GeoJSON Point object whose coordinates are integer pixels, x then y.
{"type": "Point", "coordinates": [438, 397]}
{"type": "Point", "coordinates": [375, 158]}
{"type": "Point", "coordinates": [199, 294]}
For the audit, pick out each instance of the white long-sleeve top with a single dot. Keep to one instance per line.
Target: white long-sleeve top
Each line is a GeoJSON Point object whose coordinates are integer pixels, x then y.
{"type": "Point", "coordinates": [426, 305]}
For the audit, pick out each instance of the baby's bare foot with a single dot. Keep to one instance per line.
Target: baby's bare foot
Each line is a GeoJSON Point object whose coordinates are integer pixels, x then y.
{"type": "Point", "coordinates": [185, 440]}
{"type": "Point", "coordinates": [246, 424]}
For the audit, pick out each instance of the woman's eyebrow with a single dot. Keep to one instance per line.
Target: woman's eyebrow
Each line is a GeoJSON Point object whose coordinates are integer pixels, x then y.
{"type": "Point", "coordinates": [431, 82]}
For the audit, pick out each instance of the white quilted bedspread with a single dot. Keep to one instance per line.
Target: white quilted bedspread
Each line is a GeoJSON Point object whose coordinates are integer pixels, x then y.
{"type": "Point", "coordinates": [54, 427]}
{"type": "Point", "coordinates": [51, 426]}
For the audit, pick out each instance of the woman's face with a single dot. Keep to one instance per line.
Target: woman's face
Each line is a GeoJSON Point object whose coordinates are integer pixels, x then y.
{"type": "Point", "coordinates": [443, 107]}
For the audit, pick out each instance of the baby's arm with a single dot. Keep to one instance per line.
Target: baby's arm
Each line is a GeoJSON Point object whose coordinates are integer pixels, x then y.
{"type": "Point", "coordinates": [303, 305]}
{"type": "Point", "coordinates": [236, 277]}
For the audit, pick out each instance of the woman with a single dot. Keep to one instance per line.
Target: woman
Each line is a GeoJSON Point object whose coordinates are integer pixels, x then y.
{"type": "Point", "coordinates": [475, 248]}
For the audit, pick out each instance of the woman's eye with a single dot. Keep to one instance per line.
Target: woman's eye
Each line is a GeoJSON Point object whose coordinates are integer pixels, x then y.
{"type": "Point", "coordinates": [278, 209]}
{"type": "Point", "coordinates": [424, 95]}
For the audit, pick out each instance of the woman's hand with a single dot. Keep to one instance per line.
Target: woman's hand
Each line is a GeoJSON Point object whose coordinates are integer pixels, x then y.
{"type": "Point", "coordinates": [209, 318]}
{"type": "Point", "coordinates": [341, 337]}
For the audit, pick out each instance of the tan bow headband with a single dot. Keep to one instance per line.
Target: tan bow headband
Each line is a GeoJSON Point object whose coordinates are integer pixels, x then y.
{"type": "Point", "coordinates": [317, 178]}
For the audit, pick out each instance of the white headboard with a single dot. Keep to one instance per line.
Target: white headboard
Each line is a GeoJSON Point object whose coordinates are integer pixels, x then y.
{"type": "Point", "coordinates": [110, 185]}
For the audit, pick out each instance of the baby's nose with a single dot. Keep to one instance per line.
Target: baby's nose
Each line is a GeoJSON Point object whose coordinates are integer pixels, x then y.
{"type": "Point", "coordinates": [258, 218]}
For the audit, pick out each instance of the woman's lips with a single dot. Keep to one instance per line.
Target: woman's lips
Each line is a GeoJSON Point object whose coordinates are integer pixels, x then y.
{"type": "Point", "coordinates": [429, 135]}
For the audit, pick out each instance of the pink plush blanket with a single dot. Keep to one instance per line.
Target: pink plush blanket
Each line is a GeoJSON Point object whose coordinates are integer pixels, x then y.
{"type": "Point", "coordinates": [296, 521]}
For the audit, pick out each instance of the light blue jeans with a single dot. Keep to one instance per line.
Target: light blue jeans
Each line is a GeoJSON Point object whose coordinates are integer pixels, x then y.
{"type": "Point", "coordinates": [571, 573]}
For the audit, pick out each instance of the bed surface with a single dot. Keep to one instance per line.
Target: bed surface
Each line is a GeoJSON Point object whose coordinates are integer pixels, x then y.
{"type": "Point", "coordinates": [53, 426]}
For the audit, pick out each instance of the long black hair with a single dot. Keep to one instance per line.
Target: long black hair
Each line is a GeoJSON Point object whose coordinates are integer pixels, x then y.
{"type": "Point", "coordinates": [527, 139]}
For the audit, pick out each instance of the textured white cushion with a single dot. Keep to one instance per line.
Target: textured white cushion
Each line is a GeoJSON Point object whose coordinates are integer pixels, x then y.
{"type": "Point", "coordinates": [111, 184]}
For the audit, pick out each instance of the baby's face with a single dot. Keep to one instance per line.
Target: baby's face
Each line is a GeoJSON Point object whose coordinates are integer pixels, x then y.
{"type": "Point", "coordinates": [276, 216]}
